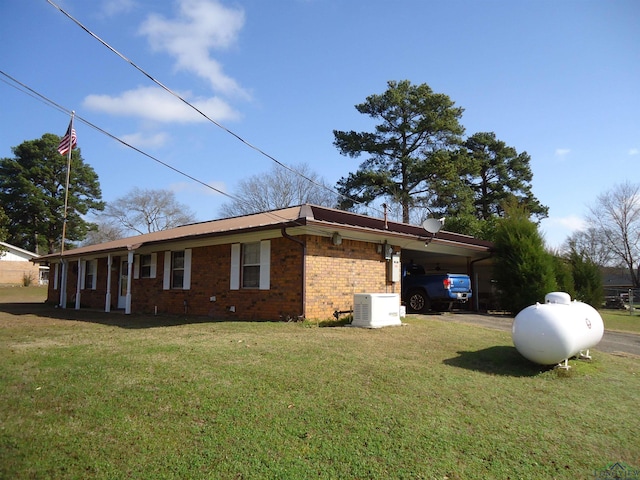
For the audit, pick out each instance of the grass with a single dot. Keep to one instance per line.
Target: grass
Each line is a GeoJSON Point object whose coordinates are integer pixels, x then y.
{"type": "Point", "coordinates": [19, 294]}
{"type": "Point", "coordinates": [622, 320]}
{"type": "Point", "coordinates": [94, 395]}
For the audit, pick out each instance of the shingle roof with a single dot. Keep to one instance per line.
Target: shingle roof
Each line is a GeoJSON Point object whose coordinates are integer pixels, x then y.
{"type": "Point", "coordinates": [302, 215]}
{"type": "Point", "coordinates": [18, 250]}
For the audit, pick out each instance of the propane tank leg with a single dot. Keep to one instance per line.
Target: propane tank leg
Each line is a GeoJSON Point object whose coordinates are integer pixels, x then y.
{"type": "Point", "coordinates": [564, 365]}
{"type": "Point", "coordinates": [585, 356]}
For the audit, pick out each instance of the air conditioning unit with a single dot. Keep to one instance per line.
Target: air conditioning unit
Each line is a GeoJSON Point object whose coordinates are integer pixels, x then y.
{"type": "Point", "coordinates": [375, 310]}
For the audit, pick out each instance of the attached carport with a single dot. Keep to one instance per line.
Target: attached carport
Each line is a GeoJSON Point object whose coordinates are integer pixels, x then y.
{"type": "Point", "coordinates": [453, 253]}
{"type": "Point", "coordinates": [440, 252]}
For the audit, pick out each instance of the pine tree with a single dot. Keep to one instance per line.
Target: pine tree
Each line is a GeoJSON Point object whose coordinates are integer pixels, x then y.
{"type": "Point", "coordinates": [32, 191]}
{"type": "Point", "coordinates": [523, 268]}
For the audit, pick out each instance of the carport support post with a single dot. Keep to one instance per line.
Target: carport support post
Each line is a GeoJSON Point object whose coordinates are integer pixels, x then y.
{"type": "Point", "coordinates": [476, 300]}
{"type": "Point", "coordinates": [107, 299]}
{"type": "Point", "coordinates": [127, 307]}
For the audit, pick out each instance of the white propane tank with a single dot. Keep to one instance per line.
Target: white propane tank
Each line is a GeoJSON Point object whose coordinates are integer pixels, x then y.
{"type": "Point", "coordinates": [549, 333]}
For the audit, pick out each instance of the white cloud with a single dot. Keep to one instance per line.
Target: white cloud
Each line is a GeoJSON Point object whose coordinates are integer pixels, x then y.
{"type": "Point", "coordinates": [557, 229]}
{"type": "Point", "coordinates": [153, 103]}
{"type": "Point", "coordinates": [570, 222]}
{"type": "Point", "coordinates": [141, 140]}
{"type": "Point", "coordinates": [111, 8]}
{"type": "Point", "coordinates": [201, 25]}
{"type": "Point", "coordinates": [562, 152]}
{"type": "Point", "coordinates": [634, 151]}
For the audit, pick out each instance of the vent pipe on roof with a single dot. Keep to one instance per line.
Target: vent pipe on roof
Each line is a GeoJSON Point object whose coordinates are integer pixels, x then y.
{"type": "Point", "coordinates": [386, 225]}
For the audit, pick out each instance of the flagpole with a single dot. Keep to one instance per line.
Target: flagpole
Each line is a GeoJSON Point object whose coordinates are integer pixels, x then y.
{"type": "Point", "coordinates": [66, 190]}
{"type": "Point", "coordinates": [63, 279]}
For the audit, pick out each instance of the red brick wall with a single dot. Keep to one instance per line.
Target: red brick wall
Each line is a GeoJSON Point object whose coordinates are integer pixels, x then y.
{"type": "Point", "coordinates": [336, 272]}
{"type": "Point", "coordinates": [53, 296]}
{"type": "Point", "coordinates": [88, 298]}
{"type": "Point", "coordinates": [210, 276]}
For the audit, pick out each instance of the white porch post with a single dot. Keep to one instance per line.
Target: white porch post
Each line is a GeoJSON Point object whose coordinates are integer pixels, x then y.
{"type": "Point", "coordinates": [63, 283]}
{"type": "Point", "coordinates": [107, 298]}
{"type": "Point", "coordinates": [78, 284]}
{"type": "Point", "coordinates": [127, 308]}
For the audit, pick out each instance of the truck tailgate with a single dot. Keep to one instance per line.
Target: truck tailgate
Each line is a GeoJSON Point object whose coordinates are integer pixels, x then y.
{"type": "Point", "coordinates": [459, 283]}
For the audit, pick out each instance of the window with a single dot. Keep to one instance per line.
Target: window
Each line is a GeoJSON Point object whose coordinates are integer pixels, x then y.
{"type": "Point", "coordinates": [145, 266]}
{"type": "Point", "coordinates": [251, 265]}
{"type": "Point", "coordinates": [177, 270]}
{"type": "Point", "coordinates": [90, 269]}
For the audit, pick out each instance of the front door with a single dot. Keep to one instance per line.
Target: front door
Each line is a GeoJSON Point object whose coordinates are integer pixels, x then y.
{"type": "Point", "coordinates": [122, 284]}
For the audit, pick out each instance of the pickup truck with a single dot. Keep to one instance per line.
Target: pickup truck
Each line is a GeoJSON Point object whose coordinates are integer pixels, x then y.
{"type": "Point", "coordinates": [421, 292]}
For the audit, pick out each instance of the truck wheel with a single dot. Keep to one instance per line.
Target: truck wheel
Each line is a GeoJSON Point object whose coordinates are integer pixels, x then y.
{"type": "Point", "coordinates": [418, 301]}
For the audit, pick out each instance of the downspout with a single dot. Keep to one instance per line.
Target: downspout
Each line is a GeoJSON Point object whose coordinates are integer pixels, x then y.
{"type": "Point", "coordinates": [303, 266]}
{"type": "Point", "coordinates": [476, 302]}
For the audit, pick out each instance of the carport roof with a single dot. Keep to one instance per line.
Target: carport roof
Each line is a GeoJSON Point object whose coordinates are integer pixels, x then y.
{"type": "Point", "coordinates": [298, 216]}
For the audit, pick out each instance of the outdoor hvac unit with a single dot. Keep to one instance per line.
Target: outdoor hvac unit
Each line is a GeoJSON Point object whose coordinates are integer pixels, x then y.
{"type": "Point", "coordinates": [374, 310]}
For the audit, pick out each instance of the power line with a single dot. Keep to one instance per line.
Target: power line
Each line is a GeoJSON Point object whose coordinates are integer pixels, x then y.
{"type": "Point", "coordinates": [28, 91]}
{"type": "Point", "coordinates": [23, 88]}
{"type": "Point", "coordinates": [186, 102]}
{"type": "Point", "coordinates": [33, 93]}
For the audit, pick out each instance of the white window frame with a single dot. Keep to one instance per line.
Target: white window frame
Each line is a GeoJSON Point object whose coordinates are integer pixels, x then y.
{"type": "Point", "coordinates": [264, 265]}
{"type": "Point", "coordinates": [168, 270]}
{"type": "Point", "coordinates": [253, 265]}
{"type": "Point", "coordinates": [89, 267]}
{"type": "Point", "coordinates": [138, 266]}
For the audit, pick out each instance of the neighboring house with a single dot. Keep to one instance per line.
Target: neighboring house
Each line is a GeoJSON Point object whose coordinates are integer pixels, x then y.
{"type": "Point", "coordinates": [616, 278]}
{"type": "Point", "coordinates": [618, 287]}
{"type": "Point", "coordinates": [304, 261]}
{"type": "Point", "coordinates": [17, 267]}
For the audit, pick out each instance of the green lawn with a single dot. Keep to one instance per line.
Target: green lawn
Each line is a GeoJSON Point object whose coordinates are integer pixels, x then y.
{"type": "Point", "coordinates": [23, 294]}
{"type": "Point", "coordinates": [94, 395]}
{"type": "Point", "coordinates": [622, 320]}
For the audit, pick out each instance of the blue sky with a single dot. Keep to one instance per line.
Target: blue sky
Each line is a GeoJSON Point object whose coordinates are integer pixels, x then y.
{"type": "Point", "coordinates": [559, 79]}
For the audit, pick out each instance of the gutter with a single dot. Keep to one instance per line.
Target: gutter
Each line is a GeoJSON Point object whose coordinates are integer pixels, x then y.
{"type": "Point", "coordinates": [303, 269]}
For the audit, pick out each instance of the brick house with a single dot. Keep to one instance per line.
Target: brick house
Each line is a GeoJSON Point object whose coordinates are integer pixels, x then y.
{"type": "Point", "coordinates": [17, 267]}
{"type": "Point", "coordinates": [304, 261]}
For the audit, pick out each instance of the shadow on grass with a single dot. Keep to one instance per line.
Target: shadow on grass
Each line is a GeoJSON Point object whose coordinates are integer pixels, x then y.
{"type": "Point", "coordinates": [116, 319]}
{"type": "Point", "coordinates": [499, 360]}
{"type": "Point", "coordinates": [343, 322]}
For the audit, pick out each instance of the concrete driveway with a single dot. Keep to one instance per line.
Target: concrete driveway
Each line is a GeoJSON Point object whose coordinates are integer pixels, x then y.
{"type": "Point", "coordinates": [618, 343]}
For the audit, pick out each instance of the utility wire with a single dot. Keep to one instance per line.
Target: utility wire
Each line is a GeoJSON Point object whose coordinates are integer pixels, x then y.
{"type": "Point", "coordinates": [33, 93]}
{"type": "Point", "coordinates": [22, 87]}
{"type": "Point", "coordinates": [186, 102]}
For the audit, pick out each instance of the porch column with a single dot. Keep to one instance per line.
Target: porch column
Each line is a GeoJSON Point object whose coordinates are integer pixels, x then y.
{"type": "Point", "coordinates": [78, 284]}
{"type": "Point", "coordinates": [127, 308]}
{"type": "Point", "coordinates": [63, 283]}
{"type": "Point", "coordinates": [107, 298]}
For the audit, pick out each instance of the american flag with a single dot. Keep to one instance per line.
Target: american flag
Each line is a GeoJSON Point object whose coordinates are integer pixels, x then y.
{"type": "Point", "coordinates": [69, 140]}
